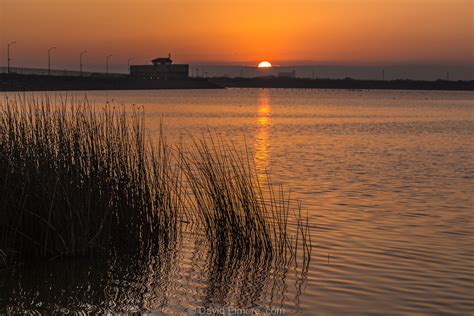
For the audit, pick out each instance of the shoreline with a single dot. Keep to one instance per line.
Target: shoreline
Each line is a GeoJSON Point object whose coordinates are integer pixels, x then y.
{"type": "Point", "coordinates": [343, 84]}
{"type": "Point", "coordinates": [21, 83]}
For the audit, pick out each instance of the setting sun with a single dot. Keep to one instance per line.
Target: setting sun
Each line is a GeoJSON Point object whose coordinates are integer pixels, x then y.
{"type": "Point", "coordinates": [264, 64]}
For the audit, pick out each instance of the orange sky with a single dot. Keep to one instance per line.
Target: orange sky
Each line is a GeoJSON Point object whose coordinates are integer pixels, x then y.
{"type": "Point", "coordinates": [240, 31]}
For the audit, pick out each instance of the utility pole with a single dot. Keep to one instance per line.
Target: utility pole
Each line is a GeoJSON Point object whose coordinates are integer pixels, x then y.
{"type": "Point", "coordinates": [128, 63]}
{"type": "Point", "coordinates": [107, 65]}
{"type": "Point", "coordinates": [80, 60]}
{"type": "Point", "coordinates": [49, 60]}
{"type": "Point", "coordinates": [8, 55]}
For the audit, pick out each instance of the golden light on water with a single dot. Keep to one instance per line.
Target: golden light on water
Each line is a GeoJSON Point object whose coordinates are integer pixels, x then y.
{"type": "Point", "coordinates": [262, 137]}
{"type": "Point", "coordinates": [263, 109]}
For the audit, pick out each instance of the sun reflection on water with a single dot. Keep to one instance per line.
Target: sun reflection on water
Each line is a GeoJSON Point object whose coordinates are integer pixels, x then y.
{"type": "Point", "coordinates": [262, 136]}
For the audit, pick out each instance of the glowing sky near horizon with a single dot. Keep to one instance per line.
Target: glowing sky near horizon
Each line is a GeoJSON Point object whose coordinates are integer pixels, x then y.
{"type": "Point", "coordinates": [241, 31]}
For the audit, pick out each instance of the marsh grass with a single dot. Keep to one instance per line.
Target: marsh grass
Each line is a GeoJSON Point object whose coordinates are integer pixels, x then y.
{"type": "Point", "coordinates": [241, 215]}
{"type": "Point", "coordinates": [77, 180]}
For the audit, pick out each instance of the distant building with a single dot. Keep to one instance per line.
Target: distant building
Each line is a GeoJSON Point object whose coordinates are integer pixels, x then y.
{"type": "Point", "coordinates": [290, 74]}
{"type": "Point", "coordinates": [161, 68]}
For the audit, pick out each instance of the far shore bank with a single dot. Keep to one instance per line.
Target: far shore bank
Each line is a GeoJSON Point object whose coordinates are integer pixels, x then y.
{"type": "Point", "coordinates": [17, 82]}
{"type": "Point", "coordinates": [348, 83]}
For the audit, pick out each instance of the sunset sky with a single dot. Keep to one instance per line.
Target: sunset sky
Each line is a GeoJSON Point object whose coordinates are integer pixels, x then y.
{"type": "Point", "coordinates": [344, 32]}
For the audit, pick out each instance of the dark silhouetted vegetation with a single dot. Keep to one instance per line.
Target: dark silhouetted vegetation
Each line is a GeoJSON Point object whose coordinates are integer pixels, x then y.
{"type": "Point", "coordinates": [76, 180]}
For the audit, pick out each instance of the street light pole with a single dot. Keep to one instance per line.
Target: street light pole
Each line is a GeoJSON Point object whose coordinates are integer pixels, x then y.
{"type": "Point", "coordinates": [8, 55]}
{"type": "Point", "coordinates": [107, 65]}
{"type": "Point", "coordinates": [49, 60]}
{"type": "Point", "coordinates": [80, 60]}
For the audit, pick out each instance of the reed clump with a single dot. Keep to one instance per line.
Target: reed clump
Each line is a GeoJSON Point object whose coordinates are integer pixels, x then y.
{"type": "Point", "coordinates": [242, 216]}
{"type": "Point", "coordinates": [77, 180]}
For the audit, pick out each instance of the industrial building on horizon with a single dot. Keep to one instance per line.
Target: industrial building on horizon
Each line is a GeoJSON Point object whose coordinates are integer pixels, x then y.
{"type": "Point", "coordinates": [162, 68]}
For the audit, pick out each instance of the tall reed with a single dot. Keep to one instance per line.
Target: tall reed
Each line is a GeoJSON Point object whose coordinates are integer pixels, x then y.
{"type": "Point", "coordinates": [76, 180]}
{"type": "Point", "coordinates": [241, 215]}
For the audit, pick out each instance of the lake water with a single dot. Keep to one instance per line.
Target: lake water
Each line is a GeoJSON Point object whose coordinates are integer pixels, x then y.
{"type": "Point", "coordinates": [386, 177]}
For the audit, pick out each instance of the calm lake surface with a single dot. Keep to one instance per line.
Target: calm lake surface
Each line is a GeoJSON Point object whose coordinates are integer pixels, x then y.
{"type": "Point", "coordinates": [387, 178]}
